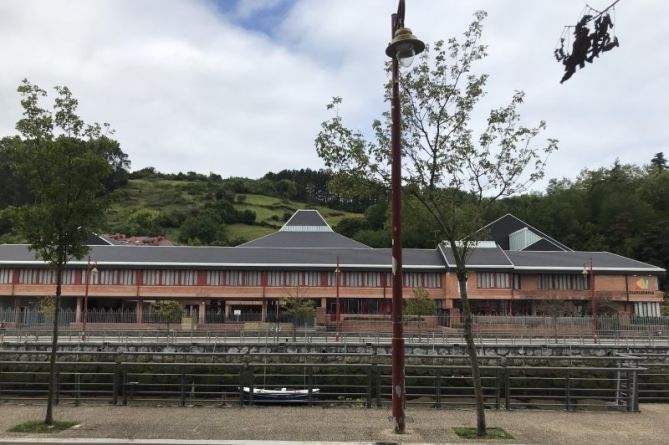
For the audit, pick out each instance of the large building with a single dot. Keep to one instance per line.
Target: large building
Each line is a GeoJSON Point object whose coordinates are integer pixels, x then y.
{"type": "Point", "coordinates": [513, 272]}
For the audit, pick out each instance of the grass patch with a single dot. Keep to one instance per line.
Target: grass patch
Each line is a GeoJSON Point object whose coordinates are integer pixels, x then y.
{"type": "Point", "coordinates": [38, 426]}
{"type": "Point", "coordinates": [247, 232]}
{"type": "Point", "coordinates": [491, 433]}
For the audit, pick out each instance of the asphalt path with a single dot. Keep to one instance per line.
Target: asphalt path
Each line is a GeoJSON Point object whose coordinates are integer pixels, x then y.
{"type": "Point", "coordinates": [296, 424]}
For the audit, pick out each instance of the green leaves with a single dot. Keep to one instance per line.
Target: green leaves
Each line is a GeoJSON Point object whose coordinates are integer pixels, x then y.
{"type": "Point", "coordinates": [64, 173]}
{"type": "Point", "coordinates": [453, 169]}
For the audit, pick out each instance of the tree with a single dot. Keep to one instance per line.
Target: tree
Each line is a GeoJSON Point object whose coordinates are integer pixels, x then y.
{"type": "Point", "coordinates": [58, 157]}
{"type": "Point", "coordinates": [454, 175]}
{"type": "Point", "coordinates": [421, 305]}
{"type": "Point", "coordinates": [556, 309]}
{"type": "Point", "coordinates": [659, 162]}
{"type": "Point", "coordinates": [169, 311]}
{"type": "Point", "coordinates": [298, 308]}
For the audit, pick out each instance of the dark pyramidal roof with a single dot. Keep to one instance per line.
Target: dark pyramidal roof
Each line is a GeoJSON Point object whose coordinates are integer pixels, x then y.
{"type": "Point", "coordinates": [305, 229]}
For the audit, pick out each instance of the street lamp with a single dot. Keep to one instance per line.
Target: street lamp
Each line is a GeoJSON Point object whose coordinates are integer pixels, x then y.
{"type": "Point", "coordinates": [91, 270]}
{"type": "Point", "coordinates": [588, 273]}
{"type": "Point", "coordinates": [337, 307]}
{"type": "Point", "coordinates": [402, 49]}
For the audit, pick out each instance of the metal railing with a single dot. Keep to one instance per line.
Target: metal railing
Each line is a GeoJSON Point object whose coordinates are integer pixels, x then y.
{"type": "Point", "coordinates": [352, 379]}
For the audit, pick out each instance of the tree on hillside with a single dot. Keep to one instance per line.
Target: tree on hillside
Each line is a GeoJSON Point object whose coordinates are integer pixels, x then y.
{"type": "Point", "coordinates": [58, 158]}
{"type": "Point", "coordinates": [452, 173]}
{"type": "Point", "coordinates": [659, 162]}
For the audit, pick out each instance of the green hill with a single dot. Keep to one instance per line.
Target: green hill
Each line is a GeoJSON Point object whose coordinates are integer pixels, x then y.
{"type": "Point", "coordinates": [153, 206]}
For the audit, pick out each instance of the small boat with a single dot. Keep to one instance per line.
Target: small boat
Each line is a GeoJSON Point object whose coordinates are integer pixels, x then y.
{"type": "Point", "coordinates": [282, 395]}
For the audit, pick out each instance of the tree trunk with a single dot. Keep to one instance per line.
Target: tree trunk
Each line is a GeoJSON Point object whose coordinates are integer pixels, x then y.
{"type": "Point", "coordinates": [54, 347]}
{"type": "Point", "coordinates": [471, 351]}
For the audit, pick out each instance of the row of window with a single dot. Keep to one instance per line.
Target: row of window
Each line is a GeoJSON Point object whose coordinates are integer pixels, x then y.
{"type": "Point", "coordinates": [484, 280]}
{"type": "Point", "coordinates": [224, 278]}
{"type": "Point", "coordinates": [495, 280]}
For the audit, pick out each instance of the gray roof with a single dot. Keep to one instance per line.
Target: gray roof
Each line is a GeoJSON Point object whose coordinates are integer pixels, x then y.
{"type": "Point", "coordinates": [306, 229]}
{"type": "Point", "coordinates": [574, 261]}
{"type": "Point", "coordinates": [304, 217]}
{"type": "Point", "coordinates": [500, 229]}
{"type": "Point", "coordinates": [317, 240]}
{"type": "Point", "coordinates": [480, 258]}
{"type": "Point", "coordinates": [547, 261]}
{"type": "Point", "coordinates": [306, 241]}
{"type": "Point", "coordinates": [236, 257]}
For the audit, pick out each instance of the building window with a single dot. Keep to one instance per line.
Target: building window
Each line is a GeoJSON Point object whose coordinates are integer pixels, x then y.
{"type": "Point", "coordinates": [492, 280]}
{"type": "Point", "coordinates": [275, 279]}
{"type": "Point", "coordinates": [564, 281]}
{"type": "Point", "coordinates": [230, 278]}
{"type": "Point", "coordinates": [312, 278]}
{"type": "Point", "coordinates": [151, 278]}
{"type": "Point", "coordinates": [420, 279]}
{"type": "Point", "coordinates": [234, 278]}
{"type": "Point", "coordinates": [5, 276]}
{"type": "Point", "coordinates": [126, 277]}
{"type": "Point", "coordinates": [252, 278]}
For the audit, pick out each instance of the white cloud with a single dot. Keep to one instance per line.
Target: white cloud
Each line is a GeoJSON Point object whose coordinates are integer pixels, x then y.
{"type": "Point", "coordinates": [188, 89]}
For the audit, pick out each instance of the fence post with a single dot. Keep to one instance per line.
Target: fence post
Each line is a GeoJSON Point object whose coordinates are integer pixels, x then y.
{"type": "Point", "coordinates": [370, 385]}
{"type": "Point", "coordinates": [567, 389]}
{"type": "Point", "coordinates": [437, 387]}
{"type": "Point", "coordinates": [507, 387]}
{"type": "Point", "coordinates": [498, 387]}
{"type": "Point", "coordinates": [635, 389]}
{"type": "Point", "coordinates": [630, 392]}
{"type": "Point", "coordinates": [77, 388]}
{"type": "Point", "coordinates": [310, 385]}
{"type": "Point", "coordinates": [182, 382]}
{"type": "Point", "coordinates": [56, 385]}
{"type": "Point", "coordinates": [376, 375]}
{"type": "Point", "coordinates": [115, 382]}
{"type": "Point", "coordinates": [250, 378]}
{"type": "Point", "coordinates": [124, 386]}
{"type": "Point", "coordinates": [241, 385]}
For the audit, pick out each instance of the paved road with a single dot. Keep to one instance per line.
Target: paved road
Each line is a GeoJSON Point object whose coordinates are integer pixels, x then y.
{"type": "Point", "coordinates": [649, 427]}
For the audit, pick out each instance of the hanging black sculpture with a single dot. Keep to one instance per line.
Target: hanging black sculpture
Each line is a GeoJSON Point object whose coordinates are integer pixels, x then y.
{"type": "Point", "coordinates": [591, 38]}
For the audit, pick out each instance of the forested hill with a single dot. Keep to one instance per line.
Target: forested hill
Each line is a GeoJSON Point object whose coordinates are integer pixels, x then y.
{"type": "Point", "coordinates": [197, 209]}
{"type": "Point", "coordinates": [622, 209]}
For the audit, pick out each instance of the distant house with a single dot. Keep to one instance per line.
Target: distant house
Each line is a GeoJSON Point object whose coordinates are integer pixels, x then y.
{"type": "Point", "coordinates": [511, 273]}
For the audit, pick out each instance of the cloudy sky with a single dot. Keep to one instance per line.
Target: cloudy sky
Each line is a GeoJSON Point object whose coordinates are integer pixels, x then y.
{"type": "Point", "coordinates": [239, 87]}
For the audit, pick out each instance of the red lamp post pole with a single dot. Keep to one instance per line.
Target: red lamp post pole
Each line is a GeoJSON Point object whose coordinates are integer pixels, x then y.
{"type": "Point", "coordinates": [594, 303]}
{"type": "Point", "coordinates": [88, 279]}
{"type": "Point", "coordinates": [398, 389]}
{"type": "Point", "coordinates": [337, 307]}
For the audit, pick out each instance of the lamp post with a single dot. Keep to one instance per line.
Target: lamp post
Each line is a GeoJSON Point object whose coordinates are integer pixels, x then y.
{"type": "Point", "coordinates": [588, 272]}
{"type": "Point", "coordinates": [337, 307]}
{"type": "Point", "coordinates": [91, 270]}
{"type": "Point", "coordinates": [402, 49]}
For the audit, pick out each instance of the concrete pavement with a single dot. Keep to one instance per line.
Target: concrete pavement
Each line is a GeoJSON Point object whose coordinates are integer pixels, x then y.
{"type": "Point", "coordinates": [209, 425]}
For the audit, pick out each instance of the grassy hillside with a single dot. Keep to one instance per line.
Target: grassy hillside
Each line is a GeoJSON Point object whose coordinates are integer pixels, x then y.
{"type": "Point", "coordinates": [162, 205]}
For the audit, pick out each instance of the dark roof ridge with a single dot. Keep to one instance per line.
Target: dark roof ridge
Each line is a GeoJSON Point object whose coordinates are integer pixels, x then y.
{"type": "Point", "coordinates": [547, 237]}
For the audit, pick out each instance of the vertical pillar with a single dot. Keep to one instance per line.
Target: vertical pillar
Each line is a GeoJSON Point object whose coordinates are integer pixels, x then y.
{"type": "Point", "coordinates": [138, 311]}
{"type": "Point", "coordinates": [263, 311]}
{"type": "Point", "coordinates": [17, 310]}
{"type": "Point", "coordinates": [201, 313]}
{"type": "Point", "coordinates": [77, 313]}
